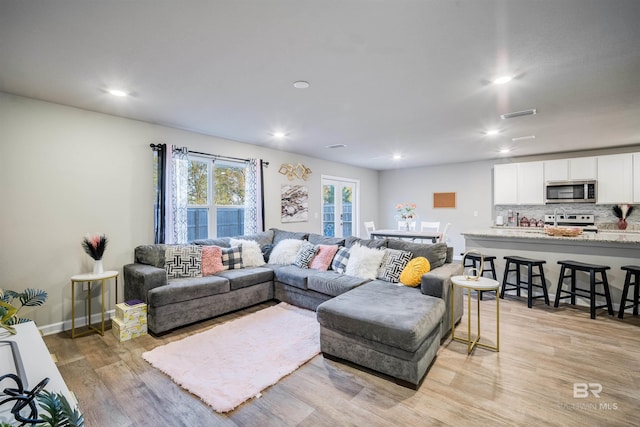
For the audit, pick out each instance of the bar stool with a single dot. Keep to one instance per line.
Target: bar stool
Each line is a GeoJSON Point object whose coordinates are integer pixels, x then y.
{"type": "Point", "coordinates": [632, 270]}
{"type": "Point", "coordinates": [590, 293]}
{"type": "Point", "coordinates": [473, 260]}
{"type": "Point", "coordinates": [518, 262]}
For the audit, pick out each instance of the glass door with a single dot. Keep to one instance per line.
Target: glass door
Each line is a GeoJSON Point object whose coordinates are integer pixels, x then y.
{"type": "Point", "coordinates": [339, 209]}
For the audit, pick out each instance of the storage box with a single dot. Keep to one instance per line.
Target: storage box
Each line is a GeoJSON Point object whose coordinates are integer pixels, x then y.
{"type": "Point", "coordinates": [124, 333]}
{"type": "Point", "coordinates": [132, 315]}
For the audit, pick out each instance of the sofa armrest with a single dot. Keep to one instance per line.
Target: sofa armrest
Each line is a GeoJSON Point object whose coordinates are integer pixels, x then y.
{"type": "Point", "coordinates": [139, 279]}
{"type": "Point", "coordinates": [437, 283]}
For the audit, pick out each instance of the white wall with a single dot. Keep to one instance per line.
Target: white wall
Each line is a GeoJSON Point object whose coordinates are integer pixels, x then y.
{"type": "Point", "coordinates": [65, 172]}
{"type": "Point", "coordinates": [472, 183]}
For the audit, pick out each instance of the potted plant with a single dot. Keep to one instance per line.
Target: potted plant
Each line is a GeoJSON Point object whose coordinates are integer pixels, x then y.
{"type": "Point", "coordinates": [9, 312]}
{"type": "Point", "coordinates": [622, 212]}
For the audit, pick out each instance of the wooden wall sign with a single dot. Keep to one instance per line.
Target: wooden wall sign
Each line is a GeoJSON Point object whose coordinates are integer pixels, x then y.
{"type": "Point", "coordinates": [444, 200]}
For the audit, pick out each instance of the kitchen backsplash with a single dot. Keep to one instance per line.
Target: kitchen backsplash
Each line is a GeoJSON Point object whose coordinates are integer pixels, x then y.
{"type": "Point", "coordinates": [604, 216]}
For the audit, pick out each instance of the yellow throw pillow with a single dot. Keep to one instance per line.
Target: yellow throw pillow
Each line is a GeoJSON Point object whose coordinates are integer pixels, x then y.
{"type": "Point", "coordinates": [414, 270]}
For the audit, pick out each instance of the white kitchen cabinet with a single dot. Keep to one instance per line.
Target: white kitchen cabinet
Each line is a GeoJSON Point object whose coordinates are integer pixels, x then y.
{"type": "Point", "coordinates": [530, 183]}
{"type": "Point", "coordinates": [636, 177]}
{"type": "Point", "coordinates": [556, 170]}
{"type": "Point", "coordinates": [615, 179]}
{"type": "Point", "coordinates": [583, 168]}
{"type": "Point", "coordinates": [505, 184]}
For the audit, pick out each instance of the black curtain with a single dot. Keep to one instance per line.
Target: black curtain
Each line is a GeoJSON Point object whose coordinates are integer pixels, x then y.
{"type": "Point", "coordinates": [159, 206]}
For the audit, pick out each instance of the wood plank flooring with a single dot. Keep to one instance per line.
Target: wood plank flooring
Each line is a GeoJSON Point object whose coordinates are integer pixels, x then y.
{"type": "Point", "coordinates": [544, 351]}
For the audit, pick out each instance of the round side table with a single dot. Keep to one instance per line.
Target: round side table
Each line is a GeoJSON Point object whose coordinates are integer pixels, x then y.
{"type": "Point", "coordinates": [89, 278]}
{"type": "Point", "coordinates": [483, 284]}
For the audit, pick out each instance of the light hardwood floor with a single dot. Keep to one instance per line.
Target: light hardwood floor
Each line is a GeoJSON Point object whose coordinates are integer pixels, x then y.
{"type": "Point", "coordinates": [544, 351]}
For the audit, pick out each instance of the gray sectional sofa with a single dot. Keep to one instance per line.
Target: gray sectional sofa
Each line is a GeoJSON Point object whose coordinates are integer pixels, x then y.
{"type": "Point", "coordinates": [175, 302]}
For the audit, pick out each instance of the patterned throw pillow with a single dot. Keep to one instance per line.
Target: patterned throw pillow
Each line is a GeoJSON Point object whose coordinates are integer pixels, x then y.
{"type": "Point", "coordinates": [412, 273]}
{"type": "Point", "coordinates": [323, 257]}
{"type": "Point", "coordinates": [305, 254]}
{"type": "Point", "coordinates": [251, 252]}
{"type": "Point", "coordinates": [341, 260]}
{"type": "Point", "coordinates": [393, 262]}
{"type": "Point", "coordinates": [211, 260]}
{"type": "Point", "coordinates": [232, 257]}
{"type": "Point", "coordinates": [183, 261]}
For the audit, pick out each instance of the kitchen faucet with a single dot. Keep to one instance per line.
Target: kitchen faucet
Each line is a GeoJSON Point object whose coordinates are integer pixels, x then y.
{"type": "Point", "coordinates": [555, 216]}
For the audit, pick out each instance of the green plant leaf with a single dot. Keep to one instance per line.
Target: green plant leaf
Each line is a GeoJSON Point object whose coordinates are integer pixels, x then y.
{"type": "Point", "coordinates": [8, 311]}
{"type": "Point", "coordinates": [9, 328]}
{"type": "Point", "coordinates": [33, 297]}
{"type": "Point", "coordinates": [57, 411]}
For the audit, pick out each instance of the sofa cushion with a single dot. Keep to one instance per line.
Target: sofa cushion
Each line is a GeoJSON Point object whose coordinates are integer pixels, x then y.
{"type": "Point", "coordinates": [305, 254]}
{"type": "Point", "coordinates": [379, 311]}
{"type": "Point", "coordinates": [211, 260]}
{"type": "Point", "coordinates": [393, 262]}
{"type": "Point", "coordinates": [369, 243]}
{"type": "Point", "coordinates": [179, 290]}
{"type": "Point", "coordinates": [364, 262]}
{"type": "Point", "coordinates": [263, 238]}
{"type": "Point", "coordinates": [333, 283]}
{"type": "Point", "coordinates": [318, 239]}
{"type": "Point", "coordinates": [232, 257]}
{"type": "Point", "coordinates": [150, 255]}
{"type": "Point", "coordinates": [412, 273]}
{"type": "Point", "coordinates": [223, 242]}
{"type": "Point", "coordinates": [293, 276]}
{"type": "Point", "coordinates": [435, 253]}
{"type": "Point", "coordinates": [183, 261]}
{"type": "Point", "coordinates": [285, 251]}
{"type": "Point", "coordinates": [324, 256]}
{"type": "Point", "coordinates": [280, 235]}
{"type": "Point", "coordinates": [340, 260]}
{"type": "Point", "coordinates": [251, 252]}
{"type": "Point", "coordinates": [246, 277]}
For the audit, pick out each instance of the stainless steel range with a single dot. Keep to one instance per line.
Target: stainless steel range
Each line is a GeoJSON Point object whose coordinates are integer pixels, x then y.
{"type": "Point", "coordinates": [584, 221]}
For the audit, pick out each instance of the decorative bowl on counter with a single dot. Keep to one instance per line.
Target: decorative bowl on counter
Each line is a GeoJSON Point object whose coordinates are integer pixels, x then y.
{"type": "Point", "coordinates": [563, 231]}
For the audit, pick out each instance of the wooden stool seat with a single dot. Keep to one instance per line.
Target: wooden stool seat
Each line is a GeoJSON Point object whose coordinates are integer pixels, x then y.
{"type": "Point", "coordinates": [590, 293]}
{"type": "Point", "coordinates": [633, 271]}
{"type": "Point", "coordinates": [475, 263]}
{"type": "Point", "coordinates": [517, 262]}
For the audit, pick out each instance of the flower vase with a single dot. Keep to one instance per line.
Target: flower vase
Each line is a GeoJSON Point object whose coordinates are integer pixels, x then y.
{"type": "Point", "coordinates": [411, 224]}
{"type": "Point", "coordinates": [622, 224]}
{"type": "Point", "coordinates": [97, 267]}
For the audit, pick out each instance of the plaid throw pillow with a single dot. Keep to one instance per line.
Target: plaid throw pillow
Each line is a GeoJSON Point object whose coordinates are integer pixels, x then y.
{"type": "Point", "coordinates": [232, 258]}
{"type": "Point", "coordinates": [305, 254]}
{"type": "Point", "coordinates": [341, 259]}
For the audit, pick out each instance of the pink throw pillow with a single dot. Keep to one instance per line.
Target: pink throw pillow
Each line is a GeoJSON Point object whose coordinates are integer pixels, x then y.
{"type": "Point", "coordinates": [211, 260]}
{"type": "Point", "coordinates": [323, 257]}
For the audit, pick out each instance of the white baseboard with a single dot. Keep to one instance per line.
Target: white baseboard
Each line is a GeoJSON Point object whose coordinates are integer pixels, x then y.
{"type": "Point", "coordinates": [54, 328]}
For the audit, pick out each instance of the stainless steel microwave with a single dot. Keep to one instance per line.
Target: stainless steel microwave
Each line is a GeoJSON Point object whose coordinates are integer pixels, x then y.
{"type": "Point", "coordinates": [583, 191]}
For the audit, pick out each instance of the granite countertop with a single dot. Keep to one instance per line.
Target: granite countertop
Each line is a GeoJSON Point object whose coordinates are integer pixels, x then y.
{"type": "Point", "coordinates": [631, 237]}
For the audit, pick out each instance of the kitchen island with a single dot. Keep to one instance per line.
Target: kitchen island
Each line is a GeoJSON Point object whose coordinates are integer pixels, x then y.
{"type": "Point", "coordinates": [612, 248]}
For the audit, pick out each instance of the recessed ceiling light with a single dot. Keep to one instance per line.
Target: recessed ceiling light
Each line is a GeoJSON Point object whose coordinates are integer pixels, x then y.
{"type": "Point", "coordinates": [397, 156]}
{"type": "Point", "coordinates": [335, 146]}
{"type": "Point", "coordinates": [502, 80]}
{"type": "Point", "coordinates": [492, 132]}
{"type": "Point", "coordinates": [279, 134]}
{"type": "Point", "coordinates": [117, 92]}
{"type": "Point", "coordinates": [505, 150]}
{"type": "Point", "coordinates": [301, 84]}
{"type": "Point", "coordinates": [523, 138]}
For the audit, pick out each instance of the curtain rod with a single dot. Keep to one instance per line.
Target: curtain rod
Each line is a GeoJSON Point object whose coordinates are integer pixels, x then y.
{"type": "Point", "coordinates": [215, 156]}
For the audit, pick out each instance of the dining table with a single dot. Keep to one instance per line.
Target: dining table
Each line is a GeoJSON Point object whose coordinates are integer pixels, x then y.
{"type": "Point", "coordinates": [434, 236]}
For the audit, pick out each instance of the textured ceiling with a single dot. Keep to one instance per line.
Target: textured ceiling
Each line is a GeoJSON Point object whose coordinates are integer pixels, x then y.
{"type": "Point", "coordinates": [387, 77]}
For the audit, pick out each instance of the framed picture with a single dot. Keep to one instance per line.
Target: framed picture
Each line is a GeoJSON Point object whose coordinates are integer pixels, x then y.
{"type": "Point", "coordinates": [294, 203]}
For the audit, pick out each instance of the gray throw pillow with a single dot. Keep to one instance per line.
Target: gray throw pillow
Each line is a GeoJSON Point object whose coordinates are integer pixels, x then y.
{"type": "Point", "coordinates": [318, 239]}
{"type": "Point", "coordinates": [279, 235]}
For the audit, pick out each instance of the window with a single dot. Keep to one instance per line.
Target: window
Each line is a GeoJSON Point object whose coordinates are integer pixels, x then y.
{"type": "Point", "coordinates": [215, 198]}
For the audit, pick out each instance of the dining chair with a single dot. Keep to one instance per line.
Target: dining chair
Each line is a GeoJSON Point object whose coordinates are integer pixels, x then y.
{"type": "Point", "coordinates": [430, 226]}
{"type": "Point", "coordinates": [369, 226]}
{"type": "Point", "coordinates": [403, 226]}
{"type": "Point", "coordinates": [443, 235]}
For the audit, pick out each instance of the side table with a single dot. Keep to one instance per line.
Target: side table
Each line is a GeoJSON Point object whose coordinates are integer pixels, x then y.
{"type": "Point", "coordinates": [89, 278]}
{"type": "Point", "coordinates": [483, 284]}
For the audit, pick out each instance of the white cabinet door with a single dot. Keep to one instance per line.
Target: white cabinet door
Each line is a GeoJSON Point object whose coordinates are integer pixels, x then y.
{"type": "Point", "coordinates": [556, 170]}
{"type": "Point", "coordinates": [615, 178]}
{"type": "Point", "coordinates": [530, 183]}
{"type": "Point", "coordinates": [583, 168]}
{"type": "Point", "coordinates": [636, 177]}
{"type": "Point", "coordinates": [505, 184]}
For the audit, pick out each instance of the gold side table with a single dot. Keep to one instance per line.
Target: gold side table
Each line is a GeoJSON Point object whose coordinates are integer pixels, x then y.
{"type": "Point", "coordinates": [90, 278]}
{"type": "Point", "coordinates": [482, 284]}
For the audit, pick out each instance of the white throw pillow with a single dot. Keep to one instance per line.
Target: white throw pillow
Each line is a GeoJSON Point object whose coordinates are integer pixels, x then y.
{"type": "Point", "coordinates": [251, 253]}
{"type": "Point", "coordinates": [285, 252]}
{"type": "Point", "coordinates": [364, 262]}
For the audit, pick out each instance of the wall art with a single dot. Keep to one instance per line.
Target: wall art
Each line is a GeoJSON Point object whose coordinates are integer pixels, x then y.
{"type": "Point", "coordinates": [294, 203]}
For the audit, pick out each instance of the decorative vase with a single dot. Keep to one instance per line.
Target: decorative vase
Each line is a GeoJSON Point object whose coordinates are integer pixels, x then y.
{"type": "Point", "coordinates": [622, 224]}
{"type": "Point", "coordinates": [97, 267]}
{"type": "Point", "coordinates": [411, 224]}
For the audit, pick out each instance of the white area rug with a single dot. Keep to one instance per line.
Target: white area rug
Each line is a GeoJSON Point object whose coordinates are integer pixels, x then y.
{"type": "Point", "coordinates": [233, 362]}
